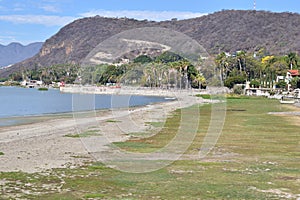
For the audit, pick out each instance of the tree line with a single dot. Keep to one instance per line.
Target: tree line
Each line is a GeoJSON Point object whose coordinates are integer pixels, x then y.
{"type": "Point", "coordinates": [259, 68]}
{"type": "Point", "coordinates": [167, 70]}
{"type": "Point", "coordinates": [170, 70]}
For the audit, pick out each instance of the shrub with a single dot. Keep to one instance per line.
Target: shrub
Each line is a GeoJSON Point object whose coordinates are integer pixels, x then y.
{"type": "Point", "coordinates": [142, 59]}
{"type": "Point", "coordinates": [43, 89]}
{"type": "Point", "coordinates": [254, 83]}
{"type": "Point", "coordinates": [281, 84]}
{"type": "Point", "coordinates": [231, 81]}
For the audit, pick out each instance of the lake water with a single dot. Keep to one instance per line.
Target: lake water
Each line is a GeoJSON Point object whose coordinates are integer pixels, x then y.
{"type": "Point", "coordinates": [16, 102]}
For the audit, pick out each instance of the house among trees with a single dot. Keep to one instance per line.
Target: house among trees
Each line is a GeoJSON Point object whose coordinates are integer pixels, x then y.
{"type": "Point", "coordinates": [292, 73]}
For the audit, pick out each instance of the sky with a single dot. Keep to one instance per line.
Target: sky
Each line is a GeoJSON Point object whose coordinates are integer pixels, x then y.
{"type": "Point", "coordinates": [27, 21]}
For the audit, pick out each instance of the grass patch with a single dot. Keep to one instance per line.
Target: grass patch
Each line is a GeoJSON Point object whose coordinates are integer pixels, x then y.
{"type": "Point", "coordinates": [112, 121]}
{"type": "Point", "coordinates": [232, 96]}
{"type": "Point", "coordinates": [43, 89]}
{"type": "Point", "coordinates": [255, 152]}
{"type": "Point", "coordinates": [135, 146]}
{"type": "Point", "coordinates": [204, 96]}
{"type": "Point", "coordinates": [89, 133]}
{"type": "Point", "coordinates": [155, 142]}
{"type": "Point", "coordinates": [1, 153]}
{"type": "Point", "coordinates": [156, 124]}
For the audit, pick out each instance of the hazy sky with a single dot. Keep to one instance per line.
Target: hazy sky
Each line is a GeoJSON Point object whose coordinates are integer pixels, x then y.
{"type": "Point", "coordinates": [29, 21]}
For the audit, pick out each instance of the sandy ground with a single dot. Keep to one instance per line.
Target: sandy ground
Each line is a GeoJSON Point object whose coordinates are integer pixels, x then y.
{"type": "Point", "coordinates": [44, 145]}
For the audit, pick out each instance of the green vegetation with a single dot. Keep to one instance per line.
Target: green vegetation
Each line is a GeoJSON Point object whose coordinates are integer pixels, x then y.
{"type": "Point", "coordinates": [56, 73]}
{"type": "Point", "coordinates": [231, 81]}
{"type": "Point", "coordinates": [170, 70]}
{"type": "Point", "coordinates": [1, 153]}
{"type": "Point", "coordinates": [281, 84]}
{"type": "Point", "coordinates": [295, 83]}
{"type": "Point", "coordinates": [142, 59]}
{"type": "Point", "coordinates": [260, 68]}
{"type": "Point", "coordinates": [43, 89]}
{"type": "Point", "coordinates": [88, 133]}
{"type": "Point", "coordinates": [254, 83]}
{"type": "Point", "coordinates": [156, 124]}
{"type": "Point", "coordinates": [204, 96]}
{"type": "Point", "coordinates": [167, 70]}
{"type": "Point", "coordinates": [256, 157]}
{"type": "Point", "coordinates": [112, 121]}
{"type": "Point", "coordinates": [3, 79]}
{"type": "Point", "coordinates": [168, 57]}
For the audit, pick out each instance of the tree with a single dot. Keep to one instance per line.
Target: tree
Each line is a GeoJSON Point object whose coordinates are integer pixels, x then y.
{"type": "Point", "coordinates": [16, 76]}
{"type": "Point", "coordinates": [255, 83]}
{"type": "Point", "coordinates": [293, 60]}
{"type": "Point", "coordinates": [231, 81]}
{"type": "Point", "coordinates": [281, 84]}
{"type": "Point", "coordinates": [142, 59]}
{"type": "Point", "coordinates": [241, 60]}
{"type": "Point", "coordinates": [221, 61]}
{"type": "Point", "coordinates": [295, 82]}
{"type": "Point", "coordinates": [168, 56]}
{"type": "Point", "coordinates": [194, 77]}
{"type": "Point", "coordinates": [280, 67]}
{"type": "Point", "coordinates": [269, 71]}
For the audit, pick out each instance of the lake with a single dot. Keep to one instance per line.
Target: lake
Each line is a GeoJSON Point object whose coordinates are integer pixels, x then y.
{"type": "Point", "coordinates": [19, 102]}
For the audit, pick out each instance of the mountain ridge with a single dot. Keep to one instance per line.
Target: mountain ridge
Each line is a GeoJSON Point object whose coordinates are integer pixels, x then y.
{"type": "Point", "coordinates": [16, 52]}
{"type": "Point", "coordinates": [229, 30]}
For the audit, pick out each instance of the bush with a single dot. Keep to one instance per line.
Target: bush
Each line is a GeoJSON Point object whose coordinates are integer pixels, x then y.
{"type": "Point", "coordinates": [231, 81]}
{"type": "Point", "coordinates": [281, 84]}
{"type": "Point", "coordinates": [142, 59]}
{"type": "Point", "coordinates": [295, 83]}
{"type": "Point", "coordinates": [168, 56]}
{"type": "Point", "coordinates": [43, 89]}
{"type": "Point", "coordinates": [255, 83]}
{"type": "Point", "coordinates": [3, 79]}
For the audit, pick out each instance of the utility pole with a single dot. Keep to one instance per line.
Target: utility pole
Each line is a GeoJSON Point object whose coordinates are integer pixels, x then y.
{"type": "Point", "coordinates": [254, 5]}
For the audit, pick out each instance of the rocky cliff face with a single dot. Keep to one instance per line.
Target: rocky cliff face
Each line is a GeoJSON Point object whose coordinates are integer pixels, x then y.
{"type": "Point", "coordinates": [222, 31]}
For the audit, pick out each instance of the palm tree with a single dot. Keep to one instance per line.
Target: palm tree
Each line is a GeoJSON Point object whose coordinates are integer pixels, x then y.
{"type": "Point", "coordinates": [223, 64]}
{"type": "Point", "coordinates": [241, 59]}
{"type": "Point", "coordinates": [200, 80]}
{"type": "Point", "coordinates": [292, 59]}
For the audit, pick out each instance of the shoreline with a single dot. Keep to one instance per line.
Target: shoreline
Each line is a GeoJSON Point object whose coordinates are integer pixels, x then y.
{"type": "Point", "coordinates": [29, 119]}
{"type": "Point", "coordinates": [43, 145]}
{"type": "Point", "coordinates": [25, 118]}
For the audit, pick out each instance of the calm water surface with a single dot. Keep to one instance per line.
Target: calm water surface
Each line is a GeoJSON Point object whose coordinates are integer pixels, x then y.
{"type": "Point", "coordinates": [17, 102]}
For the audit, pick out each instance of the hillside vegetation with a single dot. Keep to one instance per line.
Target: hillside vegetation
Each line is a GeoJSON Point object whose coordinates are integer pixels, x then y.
{"type": "Point", "coordinates": [226, 31]}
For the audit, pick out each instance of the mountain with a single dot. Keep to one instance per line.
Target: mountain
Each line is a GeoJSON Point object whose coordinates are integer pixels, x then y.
{"type": "Point", "coordinates": [229, 30]}
{"type": "Point", "coordinates": [16, 52]}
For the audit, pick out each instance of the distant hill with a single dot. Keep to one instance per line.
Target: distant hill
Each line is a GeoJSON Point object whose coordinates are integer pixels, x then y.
{"type": "Point", "coordinates": [16, 52]}
{"type": "Point", "coordinates": [228, 30]}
